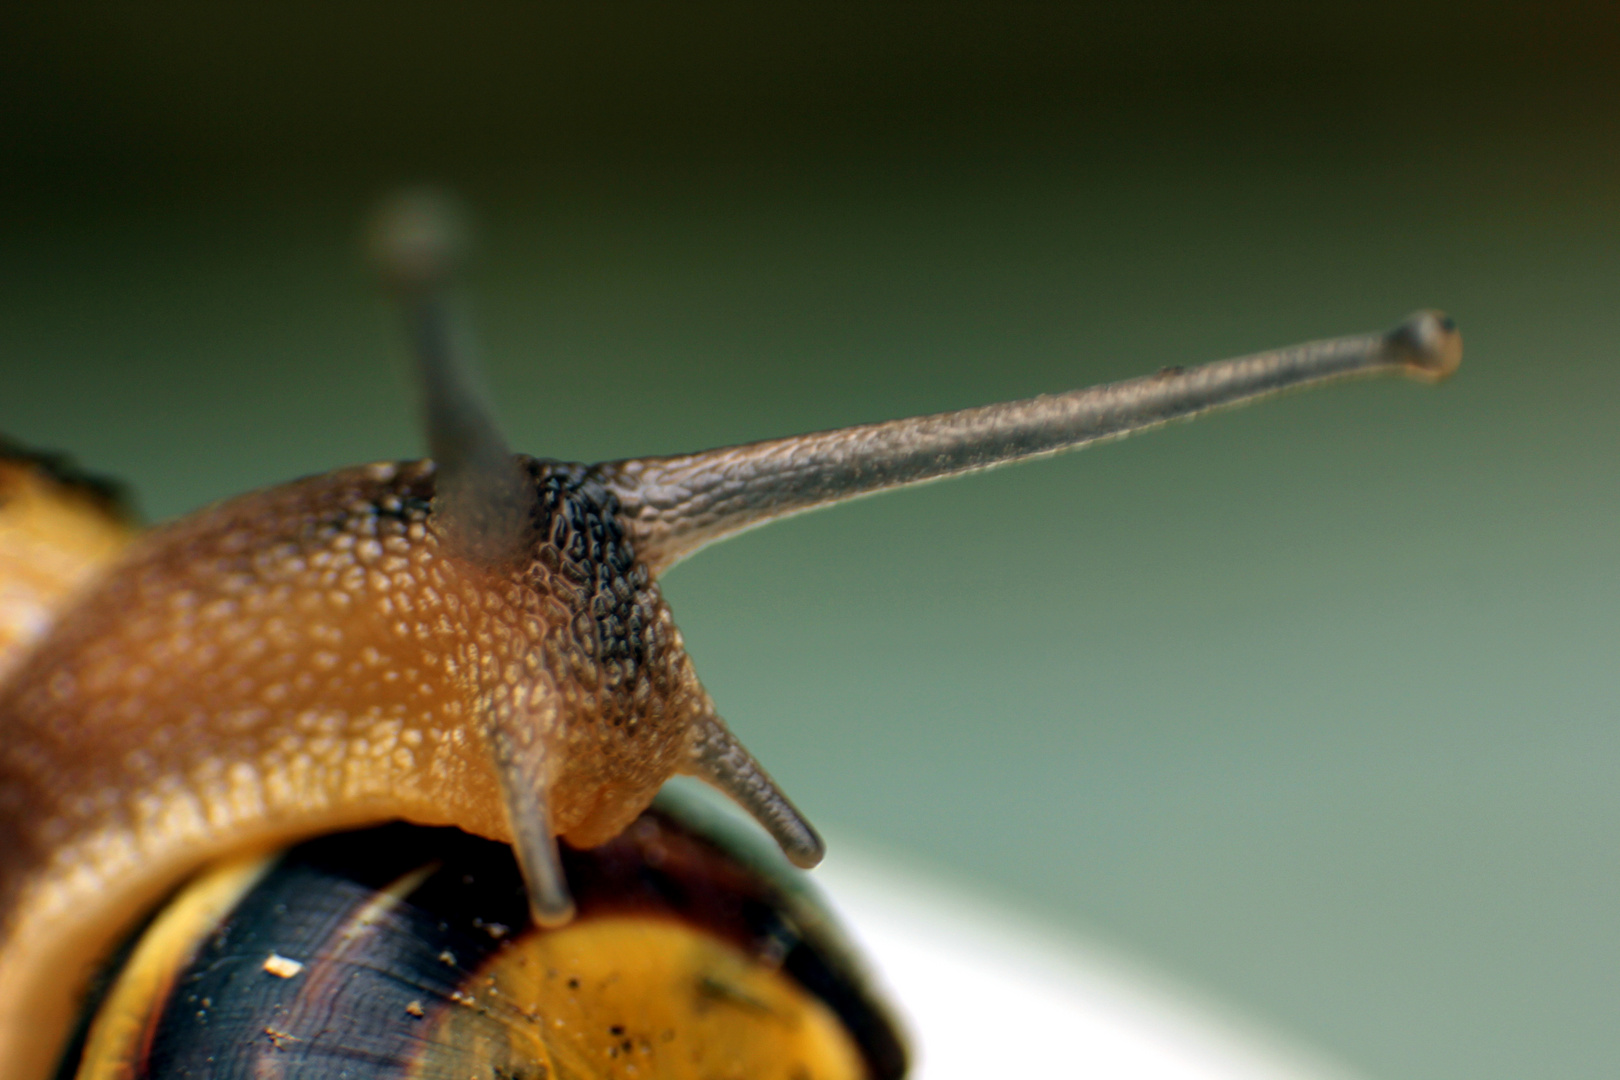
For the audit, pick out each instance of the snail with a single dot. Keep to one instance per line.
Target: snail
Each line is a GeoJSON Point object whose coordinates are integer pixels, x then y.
{"type": "Point", "coordinates": [476, 640]}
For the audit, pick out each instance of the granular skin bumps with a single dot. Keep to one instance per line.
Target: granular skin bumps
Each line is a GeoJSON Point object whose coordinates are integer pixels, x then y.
{"type": "Point", "coordinates": [307, 658]}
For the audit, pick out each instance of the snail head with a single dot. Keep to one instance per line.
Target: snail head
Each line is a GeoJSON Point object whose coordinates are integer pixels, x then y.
{"type": "Point", "coordinates": [595, 704]}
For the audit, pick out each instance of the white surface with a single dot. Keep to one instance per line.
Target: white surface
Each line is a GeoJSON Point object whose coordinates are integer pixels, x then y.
{"type": "Point", "coordinates": [985, 994]}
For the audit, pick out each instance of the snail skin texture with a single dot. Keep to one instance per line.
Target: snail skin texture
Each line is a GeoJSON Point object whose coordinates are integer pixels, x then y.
{"type": "Point", "coordinates": [477, 640]}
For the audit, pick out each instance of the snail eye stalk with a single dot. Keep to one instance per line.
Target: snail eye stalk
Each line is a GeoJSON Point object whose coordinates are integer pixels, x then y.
{"type": "Point", "coordinates": [482, 502]}
{"type": "Point", "coordinates": [675, 506]}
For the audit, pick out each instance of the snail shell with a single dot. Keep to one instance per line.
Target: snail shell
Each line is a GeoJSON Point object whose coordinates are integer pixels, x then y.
{"type": "Point", "coordinates": [404, 951]}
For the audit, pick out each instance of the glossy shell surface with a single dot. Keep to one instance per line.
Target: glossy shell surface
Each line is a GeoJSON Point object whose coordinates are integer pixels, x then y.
{"type": "Point", "coordinates": [406, 952]}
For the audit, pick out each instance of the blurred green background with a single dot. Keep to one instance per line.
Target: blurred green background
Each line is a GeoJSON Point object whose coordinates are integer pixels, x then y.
{"type": "Point", "coordinates": [1312, 706]}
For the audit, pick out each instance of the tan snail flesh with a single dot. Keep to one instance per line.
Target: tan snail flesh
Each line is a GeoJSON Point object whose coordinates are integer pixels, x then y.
{"type": "Point", "coordinates": [480, 644]}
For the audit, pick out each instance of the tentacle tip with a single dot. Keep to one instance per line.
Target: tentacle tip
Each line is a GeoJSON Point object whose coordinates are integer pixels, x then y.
{"type": "Point", "coordinates": [805, 851]}
{"type": "Point", "coordinates": [1428, 344]}
{"type": "Point", "coordinates": [550, 912]}
{"type": "Point", "coordinates": [417, 239]}
{"type": "Point", "coordinates": [781, 820]}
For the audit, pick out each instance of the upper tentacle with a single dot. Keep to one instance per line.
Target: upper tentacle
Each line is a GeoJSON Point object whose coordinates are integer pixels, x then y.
{"type": "Point", "coordinates": [673, 506]}
{"type": "Point", "coordinates": [482, 502]}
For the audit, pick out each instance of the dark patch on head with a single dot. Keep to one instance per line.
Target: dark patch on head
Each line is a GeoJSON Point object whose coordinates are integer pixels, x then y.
{"type": "Point", "coordinates": [580, 539]}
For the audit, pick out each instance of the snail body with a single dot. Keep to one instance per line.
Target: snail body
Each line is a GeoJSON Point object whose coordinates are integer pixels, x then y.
{"type": "Point", "coordinates": [477, 641]}
{"type": "Point", "coordinates": [321, 667]}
